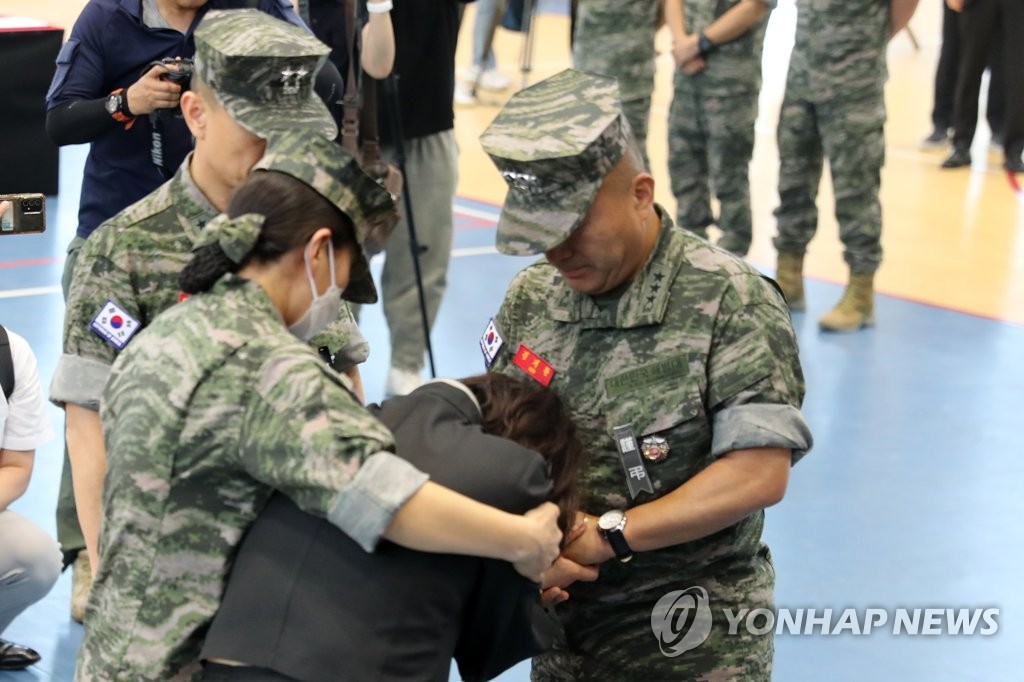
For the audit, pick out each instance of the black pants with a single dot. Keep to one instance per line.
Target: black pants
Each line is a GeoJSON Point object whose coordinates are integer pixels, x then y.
{"type": "Point", "coordinates": [984, 22]}
{"type": "Point", "coordinates": [946, 76]}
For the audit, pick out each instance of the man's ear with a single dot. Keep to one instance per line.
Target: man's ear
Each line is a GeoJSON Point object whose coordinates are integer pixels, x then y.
{"type": "Point", "coordinates": [194, 111]}
{"type": "Point", "coordinates": [643, 192]}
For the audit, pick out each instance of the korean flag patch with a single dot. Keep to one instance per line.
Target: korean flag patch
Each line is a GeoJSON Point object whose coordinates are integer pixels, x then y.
{"type": "Point", "coordinates": [490, 343]}
{"type": "Point", "coordinates": [114, 325]}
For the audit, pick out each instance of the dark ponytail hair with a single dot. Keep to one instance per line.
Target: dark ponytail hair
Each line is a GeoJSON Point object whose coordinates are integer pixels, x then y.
{"type": "Point", "coordinates": [293, 211]}
{"type": "Point", "coordinates": [536, 418]}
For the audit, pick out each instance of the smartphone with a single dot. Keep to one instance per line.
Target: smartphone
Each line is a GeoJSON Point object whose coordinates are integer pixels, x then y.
{"type": "Point", "coordinates": [22, 213]}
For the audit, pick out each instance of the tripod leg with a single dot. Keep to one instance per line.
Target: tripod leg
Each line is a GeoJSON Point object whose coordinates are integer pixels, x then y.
{"type": "Point", "coordinates": [526, 61]}
{"type": "Point", "coordinates": [415, 248]}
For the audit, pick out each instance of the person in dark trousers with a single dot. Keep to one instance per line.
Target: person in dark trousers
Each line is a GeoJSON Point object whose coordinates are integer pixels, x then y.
{"type": "Point", "coordinates": [303, 602]}
{"type": "Point", "coordinates": [983, 22]}
{"type": "Point", "coordinates": [945, 85]}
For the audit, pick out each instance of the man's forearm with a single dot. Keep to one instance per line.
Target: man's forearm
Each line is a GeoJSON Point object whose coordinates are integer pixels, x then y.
{"type": "Point", "coordinates": [378, 51]}
{"type": "Point", "coordinates": [900, 12]}
{"type": "Point", "coordinates": [88, 457]}
{"type": "Point", "coordinates": [736, 21]}
{"type": "Point", "coordinates": [727, 491]}
{"type": "Point", "coordinates": [79, 121]}
{"type": "Point", "coordinates": [675, 18]}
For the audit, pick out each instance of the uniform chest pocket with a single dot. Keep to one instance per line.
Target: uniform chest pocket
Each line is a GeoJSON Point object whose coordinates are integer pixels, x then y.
{"type": "Point", "coordinates": [675, 440]}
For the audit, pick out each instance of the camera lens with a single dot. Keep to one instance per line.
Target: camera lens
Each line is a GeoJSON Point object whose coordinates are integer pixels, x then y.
{"type": "Point", "coordinates": [31, 205]}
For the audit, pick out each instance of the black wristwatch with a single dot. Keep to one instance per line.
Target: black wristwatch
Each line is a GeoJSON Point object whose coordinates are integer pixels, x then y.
{"type": "Point", "coordinates": [117, 106]}
{"type": "Point", "coordinates": [610, 525]}
{"type": "Point", "coordinates": [704, 45]}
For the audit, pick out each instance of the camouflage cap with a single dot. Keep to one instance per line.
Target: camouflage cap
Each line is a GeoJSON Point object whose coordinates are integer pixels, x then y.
{"type": "Point", "coordinates": [554, 142]}
{"type": "Point", "coordinates": [262, 70]}
{"type": "Point", "coordinates": [331, 171]}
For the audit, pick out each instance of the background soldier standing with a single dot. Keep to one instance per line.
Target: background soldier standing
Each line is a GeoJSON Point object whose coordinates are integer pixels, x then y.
{"type": "Point", "coordinates": [616, 38]}
{"type": "Point", "coordinates": [254, 74]}
{"type": "Point", "coordinates": [835, 106]}
{"type": "Point", "coordinates": [714, 107]}
{"type": "Point", "coordinates": [679, 366]}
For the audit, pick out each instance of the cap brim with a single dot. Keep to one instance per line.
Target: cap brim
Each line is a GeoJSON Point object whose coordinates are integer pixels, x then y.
{"type": "Point", "coordinates": [360, 287]}
{"type": "Point", "coordinates": [526, 228]}
{"type": "Point", "coordinates": [263, 119]}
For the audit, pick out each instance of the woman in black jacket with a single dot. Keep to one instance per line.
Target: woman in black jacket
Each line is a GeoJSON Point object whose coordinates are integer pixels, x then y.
{"type": "Point", "coordinates": [305, 603]}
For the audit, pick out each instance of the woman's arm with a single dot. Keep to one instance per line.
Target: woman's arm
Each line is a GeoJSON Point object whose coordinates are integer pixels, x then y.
{"type": "Point", "coordinates": [436, 519]}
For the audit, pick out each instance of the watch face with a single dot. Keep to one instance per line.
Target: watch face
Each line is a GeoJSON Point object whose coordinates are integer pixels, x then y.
{"type": "Point", "coordinates": [113, 104]}
{"type": "Point", "coordinates": [610, 520]}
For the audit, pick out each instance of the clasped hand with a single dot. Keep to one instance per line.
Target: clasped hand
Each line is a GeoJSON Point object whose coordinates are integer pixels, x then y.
{"type": "Point", "coordinates": [686, 54]}
{"type": "Point", "coordinates": [584, 550]}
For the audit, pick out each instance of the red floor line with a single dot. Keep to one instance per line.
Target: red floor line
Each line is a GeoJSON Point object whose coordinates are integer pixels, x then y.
{"type": "Point", "coordinates": [27, 262]}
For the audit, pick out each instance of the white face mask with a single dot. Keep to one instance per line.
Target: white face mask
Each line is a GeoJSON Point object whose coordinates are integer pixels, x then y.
{"type": "Point", "coordinates": [325, 308]}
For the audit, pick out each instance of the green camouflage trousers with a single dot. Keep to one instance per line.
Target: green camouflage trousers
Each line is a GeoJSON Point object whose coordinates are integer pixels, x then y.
{"type": "Point", "coordinates": [710, 143]}
{"type": "Point", "coordinates": [615, 642]}
{"type": "Point", "coordinates": [616, 38]}
{"type": "Point", "coordinates": [851, 132]}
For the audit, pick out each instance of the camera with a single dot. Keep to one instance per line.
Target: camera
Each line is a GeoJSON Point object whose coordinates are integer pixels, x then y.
{"type": "Point", "coordinates": [181, 76]}
{"type": "Point", "coordinates": [22, 213]}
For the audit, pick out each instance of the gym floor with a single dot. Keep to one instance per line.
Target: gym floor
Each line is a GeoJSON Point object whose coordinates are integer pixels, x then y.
{"type": "Point", "coordinates": [911, 494]}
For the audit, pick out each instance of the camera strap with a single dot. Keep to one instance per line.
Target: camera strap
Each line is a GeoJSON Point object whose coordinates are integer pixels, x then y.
{"type": "Point", "coordinates": [156, 145]}
{"type": "Point", "coordinates": [359, 104]}
{"type": "Point", "coordinates": [6, 364]}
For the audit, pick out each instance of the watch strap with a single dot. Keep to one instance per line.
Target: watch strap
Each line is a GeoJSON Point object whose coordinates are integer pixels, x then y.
{"type": "Point", "coordinates": [123, 114]}
{"type": "Point", "coordinates": [704, 45]}
{"type": "Point", "coordinates": [617, 539]}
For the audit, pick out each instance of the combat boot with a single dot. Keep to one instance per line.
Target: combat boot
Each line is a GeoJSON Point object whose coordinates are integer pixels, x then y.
{"type": "Point", "coordinates": [789, 273]}
{"type": "Point", "coordinates": [81, 586]}
{"type": "Point", "coordinates": [856, 309]}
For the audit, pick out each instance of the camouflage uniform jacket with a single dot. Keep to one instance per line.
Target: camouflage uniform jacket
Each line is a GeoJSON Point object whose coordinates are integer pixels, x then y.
{"type": "Point", "coordinates": [134, 261]}
{"type": "Point", "coordinates": [735, 67]}
{"type": "Point", "coordinates": [213, 407]}
{"type": "Point", "coordinates": [839, 49]}
{"type": "Point", "coordinates": [699, 350]}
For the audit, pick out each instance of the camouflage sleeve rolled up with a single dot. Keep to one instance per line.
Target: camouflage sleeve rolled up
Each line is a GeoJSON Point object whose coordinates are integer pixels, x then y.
{"type": "Point", "coordinates": [100, 276]}
{"type": "Point", "coordinates": [755, 382]}
{"type": "Point", "coordinates": [298, 406]}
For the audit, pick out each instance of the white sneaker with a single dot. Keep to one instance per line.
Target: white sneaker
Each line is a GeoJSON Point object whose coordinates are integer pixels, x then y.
{"type": "Point", "coordinates": [464, 95]}
{"type": "Point", "coordinates": [492, 79]}
{"type": "Point", "coordinates": [401, 382]}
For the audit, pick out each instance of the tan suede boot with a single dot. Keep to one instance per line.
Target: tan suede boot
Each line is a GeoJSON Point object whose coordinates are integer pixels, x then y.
{"type": "Point", "coordinates": [856, 309]}
{"type": "Point", "coordinates": [81, 585]}
{"type": "Point", "coordinates": [789, 273]}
